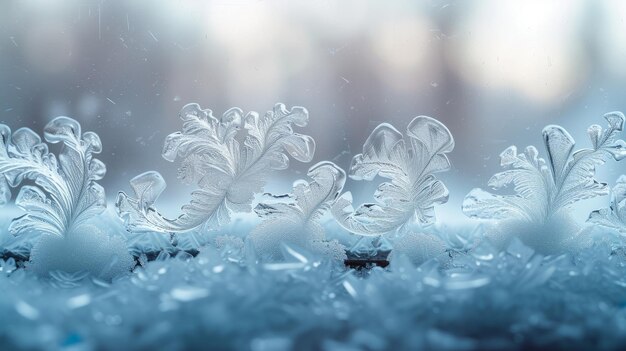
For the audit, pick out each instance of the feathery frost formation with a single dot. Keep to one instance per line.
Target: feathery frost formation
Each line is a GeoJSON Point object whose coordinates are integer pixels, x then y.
{"type": "Point", "coordinates": [409, 163]}
{"type": "Point", "coordinates": [293, 219]}
{"type": "Point", "coordinates": [228, 173]}
{"type": "Point", "coordinates": [65, 194]}
{"type": "Point", "coordinates": [543, 189]}
{"type": "Point", "coordinates": [62, 201]}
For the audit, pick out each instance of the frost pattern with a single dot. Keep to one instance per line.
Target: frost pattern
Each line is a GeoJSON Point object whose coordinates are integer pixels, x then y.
{"type": "Point", "coordinates": [227, 172]}
{"type": "Point", "coordinates": [543, 188]}
{"type": "Point", "coordinates": [293, 219]}
{"type": "Point", "coordinates": [615, 216]}
{"type": "Point", "coordinates": [409, 163]}
{"type": "Point", "coordinates": [65, 194]}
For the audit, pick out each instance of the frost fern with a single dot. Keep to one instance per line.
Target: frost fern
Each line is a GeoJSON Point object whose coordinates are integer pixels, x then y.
{"type": "Point", "coordinates": [65, 193]}
{"type": "Point", "coordinates": [542, 189]}
{"type": "Point", "coordinates": [294, 218]}
{"type": "Point", "coordinates": [227, 172]}
{"type": "Point", "coordinates": [409, 163]}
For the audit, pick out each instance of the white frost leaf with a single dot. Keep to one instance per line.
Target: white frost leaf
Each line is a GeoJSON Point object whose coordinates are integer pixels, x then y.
{"type": "Point", "coordinates": [409, 163]}
{"type": "Point", "coordinates": [65, 193]}
{"type": "Point", "coordinates": [228, 173]}
{"type": "Point", "coordinates": [542, 189]}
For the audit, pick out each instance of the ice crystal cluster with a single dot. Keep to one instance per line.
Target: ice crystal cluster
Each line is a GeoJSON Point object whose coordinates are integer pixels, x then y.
{"type": "Point", "coordinates": [488, 300]}
{"type": "Point", "coordinates": [279, 281]}
{"type": "Point", "coordinates": [545, 189]}
{"type": "Point", "coordinates": [62, 200]}
{"type": "Point", "coordinates": [409, 163]}
{"type": "Point", "coordinates": [410, 195]}
{"type": "Point", "coordinates": [228, 173]}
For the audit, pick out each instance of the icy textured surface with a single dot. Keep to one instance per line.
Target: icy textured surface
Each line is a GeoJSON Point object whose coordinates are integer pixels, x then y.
{"type": "Point", "coordinates": [89, 251]}
{"type": "Point", "coordinates": [418, 247]}
{"type": "Point", "coordinates": [615, 216]}
{"type": "Point", "coordinates": [293, 219]}
{"type": "Point", "coordinates": [64, 197]}
{"type": "Point", "coordinates": [542, 188]}
{"type": "Point", "coordinates": [556, 235]}
{"type": "Point", "coordinates": [227, 172]}
{"type": "Point", "coordinates": [409, 163]}
{"type": "Point", "coordinates": [485, 299]}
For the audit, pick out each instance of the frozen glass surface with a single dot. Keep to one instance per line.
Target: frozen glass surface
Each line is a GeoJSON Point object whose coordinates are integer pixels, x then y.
{"type": "Point", "coordinates": [539, 265]}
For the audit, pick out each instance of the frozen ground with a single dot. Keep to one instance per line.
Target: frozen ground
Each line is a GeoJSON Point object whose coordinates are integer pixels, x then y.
{"type": "Point", "coordinates": [477, 299]}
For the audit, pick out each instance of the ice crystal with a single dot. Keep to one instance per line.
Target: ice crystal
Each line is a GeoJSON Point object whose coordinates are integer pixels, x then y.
{"type": "Point", "coordinates": [65, 194]}
{"type": "Point", "coordinates": [615, 216]}
{"type": "Point", "coordinates": [227, 172]}
{"type": "Point", "coordinates": [409, 163]}
{"type": "Point", "coordinates": [293, 219]}
{"type": "Point", "coordinates": [63, 198]}
{"type": "Point", "coordinates": [543, 189]}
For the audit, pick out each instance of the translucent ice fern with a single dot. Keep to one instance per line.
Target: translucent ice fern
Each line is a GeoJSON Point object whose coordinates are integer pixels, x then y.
{"type": "Point", "coordinates": [410, 164]}
{"type": "Point", "coordinates": [65, 193]}
{"type": "Point", "coordinates": [61, 198]}
{"type": "Point", "coordinates": [615, 215]}
{"type": "Point", "coordinates": [228, 172]}
{"type": "Point", "coordinates": [293, 219]}
{"type": "Point", "coordinates": [543, 189]}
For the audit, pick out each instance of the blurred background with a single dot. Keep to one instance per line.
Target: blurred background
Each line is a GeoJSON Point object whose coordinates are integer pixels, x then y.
{"type": "Point", "coordinates": [494, 72]}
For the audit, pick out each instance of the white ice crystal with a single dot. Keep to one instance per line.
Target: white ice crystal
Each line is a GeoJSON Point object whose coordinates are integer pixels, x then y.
{"type": "Point", "coordinates": [228, 173]}
{"type": "Point", "coordinates": [64, 195]}
{"type": "Point", "coordinates": [409, 163]}
{"type": "Point", "coordinates": [615, 215]}
{"type": "Point", "coordinates": [543, 189]}
{"type": "Point", "coordinates": [293, 219]}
